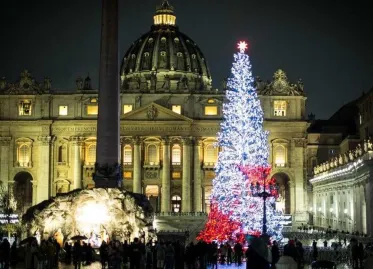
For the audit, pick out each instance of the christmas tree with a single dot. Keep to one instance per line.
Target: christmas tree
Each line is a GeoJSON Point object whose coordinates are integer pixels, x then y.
{"type": "Point", "coordinates": [243, 160]}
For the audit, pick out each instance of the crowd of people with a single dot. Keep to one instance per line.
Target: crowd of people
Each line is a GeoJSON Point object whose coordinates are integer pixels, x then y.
{"type": "Point", "coordinates": [172, 255]}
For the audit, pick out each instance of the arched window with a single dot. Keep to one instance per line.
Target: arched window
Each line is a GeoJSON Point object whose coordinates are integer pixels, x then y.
{"type": "Point", "coordinates": [176, 155]}
{"type": "Point", "coordinates": [127, 154]}
{"type": "Point", "coordinates": [211, 154]}
{"type": "Point", "coordinates": [91, 154]}
{"type": "Point", "coordinates": [24, 155]}
{"type": "Point", "coordinates": [176, 203]}
{"type": "Point", "coordinates": [62, 154]}
{"type": "Point", "coordinates": [280, 156]}
{"type": "Point", "coordinates": [152, 155]}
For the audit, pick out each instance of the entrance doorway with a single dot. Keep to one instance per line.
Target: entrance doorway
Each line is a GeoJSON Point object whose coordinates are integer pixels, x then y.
{"type": "Point", "coordinates": [23, 190]}
{"type": "Point", "coordinates": [283, 200]}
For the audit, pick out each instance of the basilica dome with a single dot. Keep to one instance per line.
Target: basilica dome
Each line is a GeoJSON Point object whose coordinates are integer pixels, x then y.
{"type": "Point", "coordinates": [164, 59]}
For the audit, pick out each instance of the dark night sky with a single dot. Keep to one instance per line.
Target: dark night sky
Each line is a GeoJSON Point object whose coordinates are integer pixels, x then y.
{"type": "Point", "coordinates": [329, 45]}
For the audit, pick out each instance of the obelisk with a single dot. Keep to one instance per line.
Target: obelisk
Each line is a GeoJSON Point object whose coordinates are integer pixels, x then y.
{"type": "Point", "coordinates": [107, 170]}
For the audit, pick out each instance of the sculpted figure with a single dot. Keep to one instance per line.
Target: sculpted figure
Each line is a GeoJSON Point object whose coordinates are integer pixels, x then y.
{"type": "Point", "coordinates": [365, 145]}
{"type": "Point", "coordinates": [345, 158]}
{"type": "Point", "coordinates": [153, 81]}
{"type": "Point", "coordinates": [351, 155]}
{"type": "Point", "coordinates": [166, 83]}
{"type": "Point", "coordinates": [340, 160]}
{"type": "Point", "coordinates": [79, 83]}
{"type": "Point", "coordinates": [2, 83]}
{"type": "Point", "coordinates": [370, 145]}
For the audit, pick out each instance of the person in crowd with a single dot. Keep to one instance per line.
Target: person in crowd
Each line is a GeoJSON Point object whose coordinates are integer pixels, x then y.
{"type": "Point", "coordinates": [67, 248]}
{"type": "Point", "coordinates": [287, 261]}
{"type": "Point", "coordinates": [190, 256]}
{"type": "Point", "coordinates": [13, 255]}
{"type": "Point", "coordinates": [136, 253]}
{"type": "Point", "coordinates": [229, 253]}
{"type": "Point", "coordinates": [149, 256]}
{"type": "Point", "coordinates": [361, 254]}
{"type": "Point", "coordinates": [125, 253]}
{"type": "Point", "coordinates": [161, 255]}
{"type": "Point", "coordinates": [275, 253]}
{"type": "Point", "coordinates": [4, 253]}
{"type": "Point", "coordinates": [214, 256]}
{"type": "Point", "coordinates": [104, 254]}
{"type": "Point", "coordinates": [257, 254]}
{"type": "Point", "coordinates": [315, 252]}
{"type": "Point", "coordinates": [299, 255]}
{"type": "Point", "coordinates": [77, 255]}
{"type": "Point", "coordinates": [238, 254]}
{"type": "Point", "coordinates": [169, 256]}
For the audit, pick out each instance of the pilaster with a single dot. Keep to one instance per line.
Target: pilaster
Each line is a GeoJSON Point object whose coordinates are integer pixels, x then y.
{"type": "Point", "coordinates": [43, 174]}
{"type": "Point", "coordinates": [185, 199]}
{"type": "Point", "coordinates": [137, 184]}
{"type": "Point", "coordinates": [77, 143]}
{"type": "Point", "coordinates": [4, 159]}
{"type": "Point", "coordinates": [165, 195]}
{"type": "Point", "coordinates": [197, 187]}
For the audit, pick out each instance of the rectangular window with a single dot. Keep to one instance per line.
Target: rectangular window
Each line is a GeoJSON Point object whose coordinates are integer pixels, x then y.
{"type": "Point", "coordinates": [92, 110]}
{"type": "Point", "coordinates": [176, 175]}
{"type": "Point", "coordinates": [279, 108]}
{"type": "Point", "coordinates": [211, 110]}
{"type": "Point", "coordinates": [24, 108]}
{"type": "Point", "coordinates": [127, 108]}
{"type": "Point", "coordinates": [176, 109]}
{"type": "Point", "coordinates": [127, 175]}
{"type": "Point", "coordinates": [331, 199]}
{"type": "Point", "coordinates": [62, 110]}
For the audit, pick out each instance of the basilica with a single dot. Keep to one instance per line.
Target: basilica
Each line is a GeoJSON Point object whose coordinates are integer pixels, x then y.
{"type": "Point", "coordinates": [170, 115]}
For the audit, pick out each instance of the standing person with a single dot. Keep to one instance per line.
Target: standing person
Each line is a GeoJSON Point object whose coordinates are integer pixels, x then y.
{"type": "Point", "coordinates": [238, 253]}
{"type": "Point", "coordinates": [229, 253]}
{"type": "Point", "coordinates": [315, 252]}
{"type": "Point", "coordinates": [275, 253]}
{"type": "Point", "coordinates": [214, 256]}
{"type": "Point", "coordinates": [223, 253]}
{"type": "Point", "coordinates": [361, 254]}
{"type": "Point", "coordinates": [149, 255]}
{"type": "Point", "coordinates": [190, 258]}
{"type": "Point", "coordinates": [104, 254]}
{"type": "Point", "coordinates": [77, 255]}
{"type": "Point", "coordinates": [170, 256]}
{"type": "Point", "coordinates": [257, 255]}
{"type": "Point", "coordinates": [5, 253]}
{"type": "Point", "coordinates": [136, 253]}
{"type": "Point", "coordinates": [300, 254]}
{"type": "Point", "coordinates": [161, 255]}
{"type": "Point", "coordinates": [13, 255]}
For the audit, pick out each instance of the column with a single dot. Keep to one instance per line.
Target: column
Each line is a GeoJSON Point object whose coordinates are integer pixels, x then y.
{"type": "Point", "coordinates": [4, 159]}
{"type": "Point", "coordinates": [197, 175]}
{"type": "Point", "coordinates": [165, 195]}
{"type": "Point", "coordinates": [76, 146]}
{"type": "Point", "coordinates": [185, 199]}
{"type": "Point", "coordinates": [43, 179]}
{"type": "Point", "coordinates": [137, 165]}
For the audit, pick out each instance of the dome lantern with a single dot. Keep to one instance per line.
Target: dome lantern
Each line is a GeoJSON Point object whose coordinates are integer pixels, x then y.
{"type": "Point", "coordinates": [165, 14]}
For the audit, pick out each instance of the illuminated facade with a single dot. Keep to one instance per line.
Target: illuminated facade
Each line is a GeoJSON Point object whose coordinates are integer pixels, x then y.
{"type": "Point", "coordinates": [170, 115]}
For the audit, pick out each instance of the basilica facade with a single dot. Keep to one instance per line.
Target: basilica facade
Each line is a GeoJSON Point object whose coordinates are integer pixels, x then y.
{"type": "Point", "coordinates": [170, 115]}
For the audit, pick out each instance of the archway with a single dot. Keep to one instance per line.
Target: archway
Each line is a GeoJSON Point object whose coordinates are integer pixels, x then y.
{"type": "Point", "coordinates": [23, 190]}
{"type": "Point", "coordinates": [283, 201]}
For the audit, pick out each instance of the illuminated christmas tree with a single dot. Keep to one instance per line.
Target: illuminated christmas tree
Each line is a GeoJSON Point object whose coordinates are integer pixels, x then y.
{"type": "Point", "coordinates": [243, 160]}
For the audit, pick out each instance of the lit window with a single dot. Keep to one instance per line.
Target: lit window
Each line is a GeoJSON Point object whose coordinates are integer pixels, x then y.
{"type": "Point", "coordinates": [151, 190]}
{"type": "Point", "coordinates": [211, 101]}
{"type": "Point", "coordinates": [211, 154]}
{"type": "Point", "coordinates": [176, 109]}
{"type": "Point", "coordinates": [92, 109]}
{"type": "Point", "coordinates": [360, 119]}
{"type": "Point", "coordinates": [280, 156]}
{"type": "Point", "coordinates": [24, 155]}
{"type": "Point", "coordinates": [152, 155]}
{"type": "Point", "coordinates": [62, 110]}
{"type": "Point", "coordinates": [127, 175]}
{"type": "Point", "coordinates": [127, 108]}
{"type": "Point", "coordinates": [211, 110]}
{"type": "Point", "coordinates": [176, 203]}
{"type": "Point", "coordinates": [176, 175]}
{"type": "Point", "coordinates": [127, 154]}
{"type": "Point", "coordinates": [176, 155]}
{"type": "Point", "coordinates": [279, 108]}
{"type": "Point", "coordinates": [91, 154]}
{"type": "Point", "coordinates": [24, 108]}
{"type": "Point", "coordinates": [93, 100]}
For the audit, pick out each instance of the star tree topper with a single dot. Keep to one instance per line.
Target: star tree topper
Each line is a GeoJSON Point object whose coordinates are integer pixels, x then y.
{"type": "Point", "coordinates": [242, 46]}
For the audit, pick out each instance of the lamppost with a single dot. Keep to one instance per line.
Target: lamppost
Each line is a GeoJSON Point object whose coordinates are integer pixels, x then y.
{"type": "Point", "coordinates": [265, 191]}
